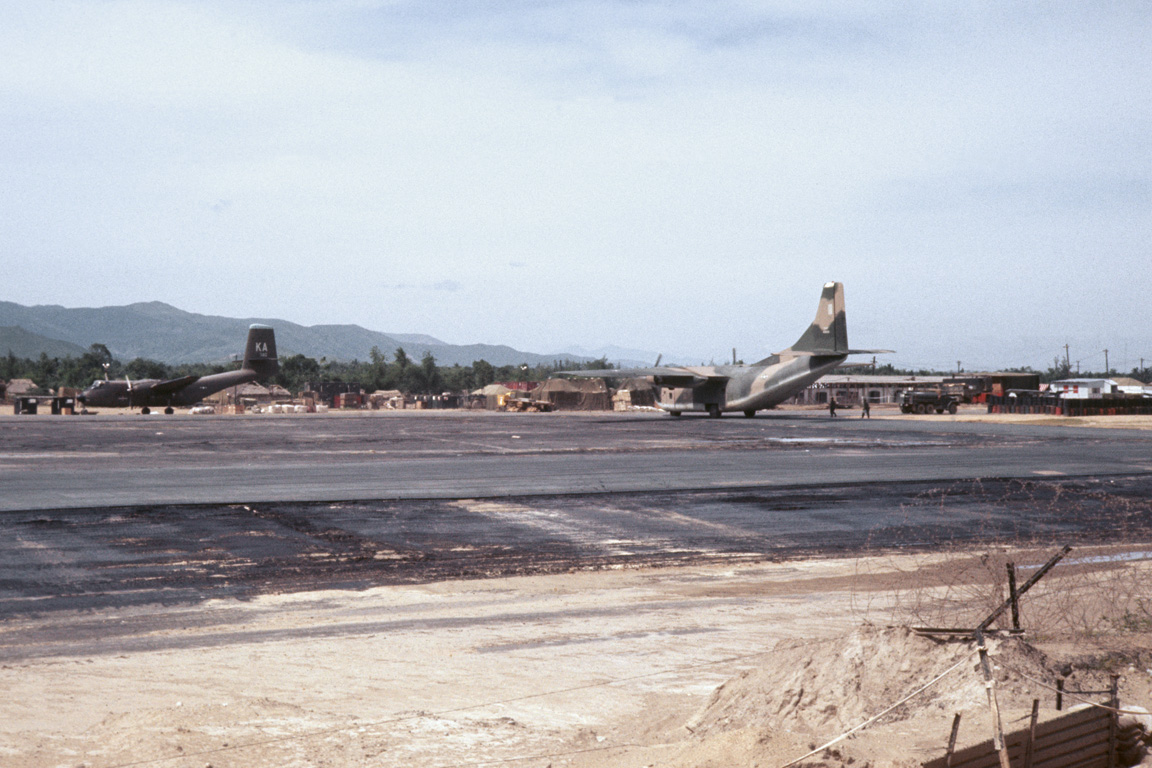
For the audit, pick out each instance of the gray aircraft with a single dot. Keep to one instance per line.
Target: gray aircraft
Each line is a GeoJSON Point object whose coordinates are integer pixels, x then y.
{"type": "Point", "coordinates": [259, 363]}
{"type": "Point", "coordinates": [715, 389]}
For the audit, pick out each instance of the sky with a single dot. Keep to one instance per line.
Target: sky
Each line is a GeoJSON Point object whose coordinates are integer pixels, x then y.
{"type": "Point", "coordinates": [674, 177]}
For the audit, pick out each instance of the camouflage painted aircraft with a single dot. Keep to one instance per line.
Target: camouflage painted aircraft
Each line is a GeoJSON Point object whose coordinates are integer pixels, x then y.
{"type": "Point", "coordinates": [716, 389]}
{"type": "Point", "coordinates": [259, 363]}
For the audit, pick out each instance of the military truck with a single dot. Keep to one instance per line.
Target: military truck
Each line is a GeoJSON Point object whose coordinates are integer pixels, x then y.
{"type": "Point", "coordinates": [926, 401]}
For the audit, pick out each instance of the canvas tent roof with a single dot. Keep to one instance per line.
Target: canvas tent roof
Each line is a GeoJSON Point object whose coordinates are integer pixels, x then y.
{"type": "Point", "coordinates": [570, 385]}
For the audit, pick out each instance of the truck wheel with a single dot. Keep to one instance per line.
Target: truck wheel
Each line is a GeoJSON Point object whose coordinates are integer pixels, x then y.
{"type": "Point", "coordinates": [952, 408]}
{"type": "Point", "coordinates": [905, 409]}
{"type": "Point", "coordinates": [920, 409]}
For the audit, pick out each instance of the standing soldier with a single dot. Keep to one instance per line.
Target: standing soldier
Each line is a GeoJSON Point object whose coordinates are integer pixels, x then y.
{"type": "Point", "coordinates": [866, 412]}
{"type": "Point", "coordinates": [832, 407]}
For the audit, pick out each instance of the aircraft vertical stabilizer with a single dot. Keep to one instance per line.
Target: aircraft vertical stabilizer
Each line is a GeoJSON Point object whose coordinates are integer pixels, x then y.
{"type": "Point", "coordinates": [260, 352]}
{"type": "Point", "coordinates": [828, 334]}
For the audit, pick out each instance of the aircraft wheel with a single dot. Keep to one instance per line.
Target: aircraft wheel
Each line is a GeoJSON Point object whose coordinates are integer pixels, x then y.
{"type": "Point", "coordinates": [677, 414]}
{"type": "Point", "coordinates": [714, 411]}
{"type": "Point", "coordinates": [145, 410]}
{"type": "Point", "coordinates": [749, 414]}
{"type": "Point", "coordinates": [169, 411]}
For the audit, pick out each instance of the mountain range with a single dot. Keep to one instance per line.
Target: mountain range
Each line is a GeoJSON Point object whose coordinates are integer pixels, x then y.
{"type": "Point", "coordinates": [159, 331]}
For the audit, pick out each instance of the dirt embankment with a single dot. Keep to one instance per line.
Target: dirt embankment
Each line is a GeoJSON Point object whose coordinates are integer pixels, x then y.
{"type": "Point", "coordinates": [711, 665]}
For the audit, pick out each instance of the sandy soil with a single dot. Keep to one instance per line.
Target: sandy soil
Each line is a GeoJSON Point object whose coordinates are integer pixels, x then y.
{"type": "Point", "coordinates": [737, 664]}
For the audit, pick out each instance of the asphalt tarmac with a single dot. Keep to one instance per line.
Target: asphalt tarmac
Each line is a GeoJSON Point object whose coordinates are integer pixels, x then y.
{"type": "Point", "coordinates": [116, 510]}
{"type": "Point", "coordinates": [128, 460]}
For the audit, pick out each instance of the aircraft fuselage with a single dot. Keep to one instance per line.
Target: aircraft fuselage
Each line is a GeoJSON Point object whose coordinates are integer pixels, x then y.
{"type": "Point", "coordinates": [743, 388]}
{"type": "Point", "coordinates": [145, 394]}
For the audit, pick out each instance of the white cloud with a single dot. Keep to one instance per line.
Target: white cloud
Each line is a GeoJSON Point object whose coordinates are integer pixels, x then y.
{"type": "Point", "coordinates": [672, 175]}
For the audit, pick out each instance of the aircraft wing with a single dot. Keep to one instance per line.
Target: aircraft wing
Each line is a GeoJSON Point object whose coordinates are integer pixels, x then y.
{"type": "Point", "coordinates": [172, 385]}
{"type": "Point", "coordinates": [666, 375]}
{"type": "Point", "coordinates": [821, 353]}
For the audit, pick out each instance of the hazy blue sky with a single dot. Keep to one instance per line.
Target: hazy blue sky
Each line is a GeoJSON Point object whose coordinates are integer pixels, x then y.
{"type": "Point", "coordinates": [674, 176]}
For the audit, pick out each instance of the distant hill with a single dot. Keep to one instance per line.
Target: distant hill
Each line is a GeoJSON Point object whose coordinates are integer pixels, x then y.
{"type": "Point", "coordinates": [162, 332]}
{"type": "Point", "coordinates": [23, 343]}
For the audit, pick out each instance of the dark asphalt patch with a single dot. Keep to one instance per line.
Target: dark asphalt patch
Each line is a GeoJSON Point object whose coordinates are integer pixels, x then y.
{"type": "Point", "coordinates": [91, 559]}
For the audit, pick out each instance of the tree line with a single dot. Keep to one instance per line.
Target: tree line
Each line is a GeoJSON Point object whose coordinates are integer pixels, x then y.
{"type": "Point", "coordinates": [1057, 371]}
{"type": "Point", "coordinates": [381, 371]}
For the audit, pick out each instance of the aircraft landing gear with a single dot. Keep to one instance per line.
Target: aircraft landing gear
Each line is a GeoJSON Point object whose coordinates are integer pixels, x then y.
{"type": "Point", "coordinates": [169, 411]}
{"type": "Point", "coordinates": [749, 414]}
{"type": "Point", "coordinates": [145, 410]}
{"type": "Point", "coordinates": [714, 410]}
{"type": "Point", "coordinates": [677, 414]}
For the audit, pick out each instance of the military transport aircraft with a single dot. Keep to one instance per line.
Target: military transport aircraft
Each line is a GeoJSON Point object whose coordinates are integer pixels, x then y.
{"type": "Point", "coordinates": [259, 363]}
{"type": "Point", "coordinates": [714, 389]}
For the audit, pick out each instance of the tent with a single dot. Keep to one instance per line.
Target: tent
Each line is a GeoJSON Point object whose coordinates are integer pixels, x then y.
{"type": "Point", "coordinates": [575, 395]}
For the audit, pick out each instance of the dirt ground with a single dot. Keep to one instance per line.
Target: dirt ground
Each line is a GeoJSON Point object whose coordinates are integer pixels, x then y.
{"type": "Point", "coordinates": [740, 663]}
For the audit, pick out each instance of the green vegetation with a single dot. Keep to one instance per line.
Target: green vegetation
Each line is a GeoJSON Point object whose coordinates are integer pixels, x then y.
{"type": "Point", "coordinates": [402, 373]}
{"type": "Point", "coordinates": [1058, 370]}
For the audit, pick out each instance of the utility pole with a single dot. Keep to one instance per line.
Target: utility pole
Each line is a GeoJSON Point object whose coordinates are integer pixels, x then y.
{"type": "Point", "coordinates": [957, 367]}
{"type": "Point", "coordinates": [1067, 359]}
{"type": "Point", "coordinates": [1106, 369]}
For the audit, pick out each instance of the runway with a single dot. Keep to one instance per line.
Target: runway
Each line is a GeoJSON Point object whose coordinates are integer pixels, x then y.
{"type": "Point", "coordinates": [115, 461]}
{"type": "Point", "coordinates": [131, 510]}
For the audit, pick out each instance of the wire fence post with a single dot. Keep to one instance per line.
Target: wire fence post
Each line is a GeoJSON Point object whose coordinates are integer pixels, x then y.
{"type": "Point", "coordinates": [1030, 750]}
{"type": "Point", "coordinates": [1059, 693]}
{"type": "Point", "coordinates": [989, 685]}
{"type": "Point", "coordinates": [1012, 593]}
{"type": "Point", "coordinates": [1024, 588]}
{"type": "Point", "coordinates": [952, 740]}
{"type": "Point", "coordinates": [1113, 719]}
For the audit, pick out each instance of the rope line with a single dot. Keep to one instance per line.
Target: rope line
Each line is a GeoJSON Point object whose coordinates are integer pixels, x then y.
{"type": "Point", "coordinates": [1066, 692]}
{"type": "Point", "coordinates": [876, 717]}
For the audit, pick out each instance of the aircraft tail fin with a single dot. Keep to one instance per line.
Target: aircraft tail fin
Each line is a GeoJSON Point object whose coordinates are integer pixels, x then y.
{"type": "Point", "coordinates": [828, 334]}
{"type": "Point", "coordinates": [260, 352]}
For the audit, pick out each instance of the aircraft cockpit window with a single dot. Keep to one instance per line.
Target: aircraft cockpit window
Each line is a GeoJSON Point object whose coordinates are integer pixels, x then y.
{"type": "Point", "coordinates": [98, 383]}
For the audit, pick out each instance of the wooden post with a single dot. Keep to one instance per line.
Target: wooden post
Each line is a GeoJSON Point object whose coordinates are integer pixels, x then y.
{"type": "Point", "coordinates": [1113, 719]}
{"type": "Point", "coordinates": [1012, 595]}
{"type": "Point", "coordinates": [952, 740]}
{"type": "Point", "coordinates": [1059, 694]}
{"type": "Point", "coordinates": [989, 685]}
{"type": "Point", "coordinates": [1030, 749]}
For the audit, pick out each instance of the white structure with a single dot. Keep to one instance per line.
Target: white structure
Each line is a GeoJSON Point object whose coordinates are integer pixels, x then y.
{"type": "Point", "coordinates": [1132, 386]}
{"type": "Point", "coordinates": [1084, 389]}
